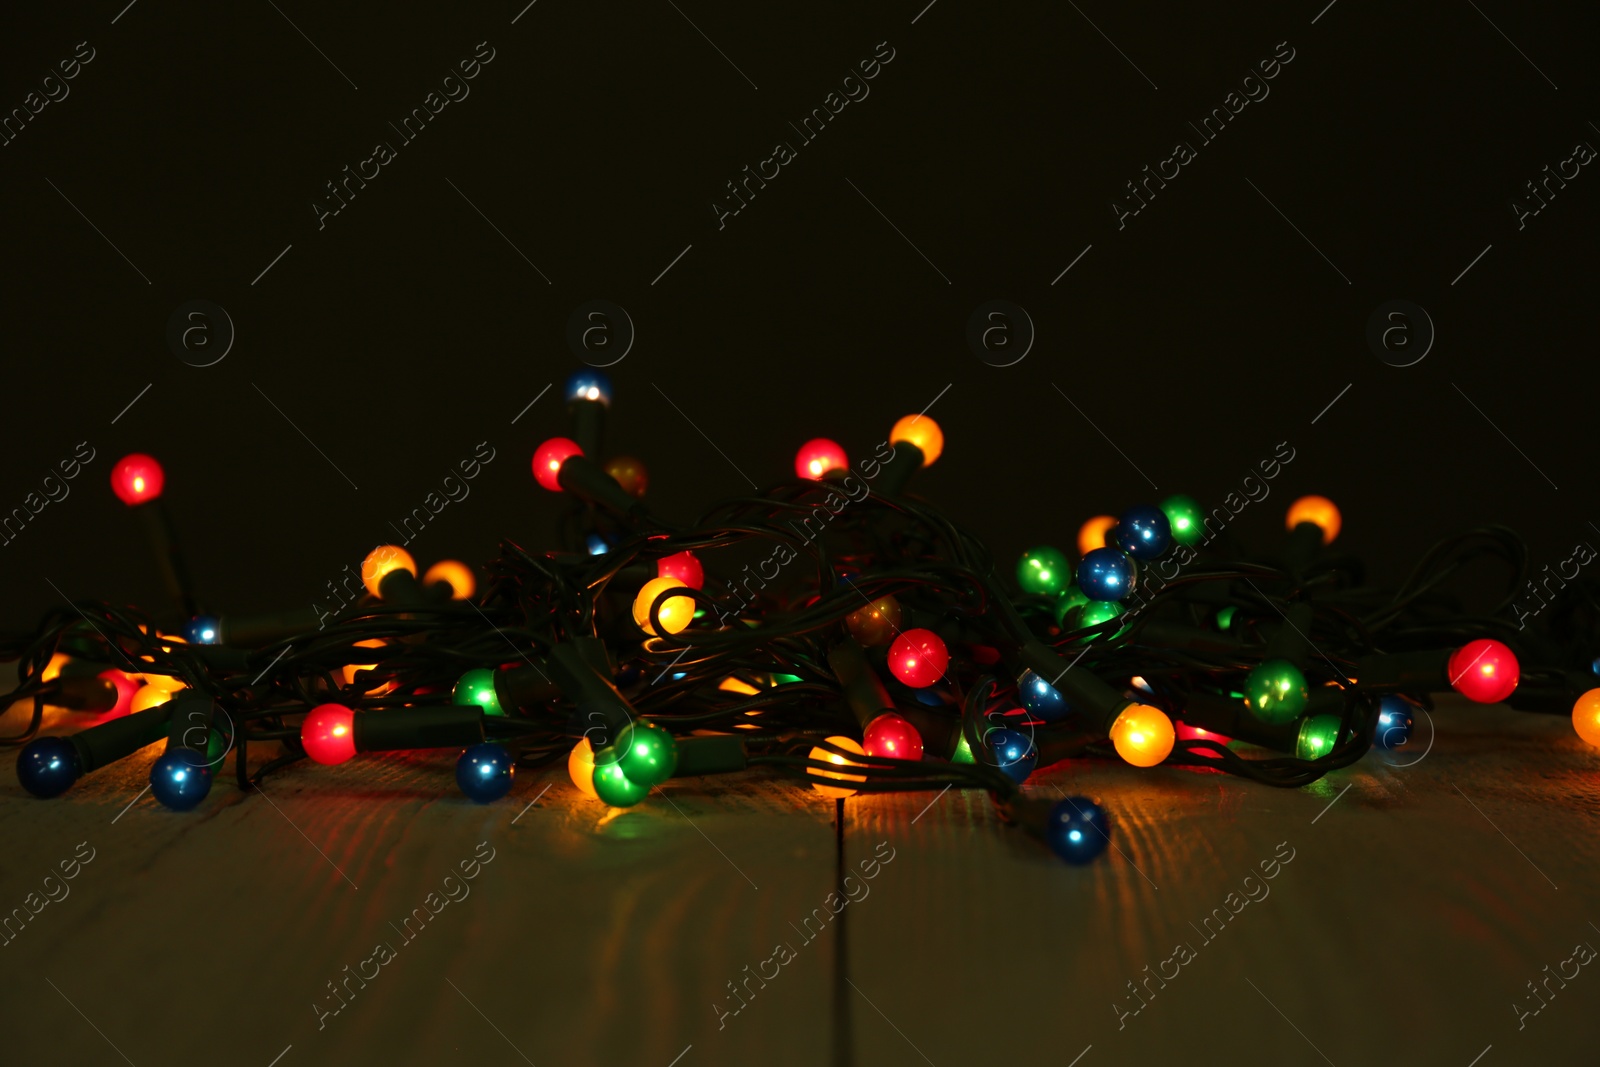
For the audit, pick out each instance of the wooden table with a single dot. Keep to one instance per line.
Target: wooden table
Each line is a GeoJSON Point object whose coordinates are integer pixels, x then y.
{"type": "Point", "coordinates": [1425, 889]}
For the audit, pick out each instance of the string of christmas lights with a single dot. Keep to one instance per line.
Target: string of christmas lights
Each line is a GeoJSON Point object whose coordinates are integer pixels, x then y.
{"type": "Point", "coordinates": [832, 628]}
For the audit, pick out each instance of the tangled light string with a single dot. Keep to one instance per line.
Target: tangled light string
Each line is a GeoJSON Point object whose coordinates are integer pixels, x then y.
{"type": "Point", "coordinates": [831, 628]}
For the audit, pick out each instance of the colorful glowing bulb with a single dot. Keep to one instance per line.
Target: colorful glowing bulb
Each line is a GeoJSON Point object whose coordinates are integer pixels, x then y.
{"type": "Point", "coordinates": [612, 785]}
{"type": "Point", "coordinates": [1106, 574]}
{"type": "Point", "coordinates": [137, 479]}
{"type": "Point", "coordinates": [1092, 534]}
{"type": "Point", "coordinates": [150, 696]}
{"type": "Point", "coordinates": [380, 561]}
{"type": "Point", "coordinates": [476, 687]}
{"type": "Point", "coordinates": [1041, 698]}
{"type": "Point", "coordinates": [1318, 734]}
{"type": "Point", "coordinates": [822, 755]}
{"type": "Point", "coordinates": [1014, 752]}
{"type": "Point", "coordinates": [180, 779]}
{"type": "Point", "coordinates": [1142, 735]}
{"type": "Point", "coordinates": [876, 623]}
{"type": "Point", "coordinates": [580, 768]}
{"type": "Point", "coordinates": [893, 736]}
{"type": "Point", "coordinates": [589, 384]}
{"type": "Point", "coordinates": [1071, 597]}
{"type": "Point", "coordinates": [1185, 732]}
{"type": "Point", "coordinates": [457, 575]}
{"type": "Point", "coordinates": [817, 457]}
{"type": "Point", "coordinates": [918, 658]}
{"type": "Point", "coordinates": [1586, 717]}
{"type": "Point", "coordinates": [548, 458]}
{"type": "Point", "coordinates": [1484, 671]}
{"type": "Point", "coordinates": [1078, 830]}
{"type": "Point", "coordinates": [127, 689]}
{"type": "Point", "coordinates": [1143, 531]}
{"type": "Point", "coordinates": [47, 766]}
{"type": "Point", "coordinates": [1276, 691]}
{"type": "Point", "coordinates": [485, 772]}
{"type": "Point", "coordinates": [1319, 511]}
{"type": "Point", "coordinates": [1393, 728]}
{"type": "Point", "coordinates": [1043, 570]}
{"type": "Point", "coordinates": [328, 734]}
{"type": "Point", "coordinates": [628, 473]}
{"type": "Point", "coordinates": [683, 568]}
{"type": "Point", "coordinates": [203, 630]}
{"type": "Point", "coordinates": [1184, 518]}
{"type": "Point", "coordinates": [676, 612]}
{"type": "Point", "coordinates": [649, 754]}
{"type": "Point", "coordinates": [921, 431]}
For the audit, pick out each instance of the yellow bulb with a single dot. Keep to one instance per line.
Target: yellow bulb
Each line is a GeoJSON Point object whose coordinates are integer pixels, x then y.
{"type": "Point", "coordinates": [921, 431]}
{"type": "Point", "coordinates": [1092, 534]}
{"type": "Point", "coordinates": [457, 574]}
{"type": "Point", "coordinates": [351, 668]}
{"type": "Point", "coordinates": [822, 755]}
{"type": "Point", "coordinates": [166, 683]}
{"type": "Point", "coordinates": [731, 684]}
{"type": "Point", "coordinates": [1142, 735]}
{"type": "Point", "coordinates": [676, 612]}
{"type": "Point", "coordinates": [1317, 510]}
{"type": "Point", "coordinates": [150, 696]}
{"type": "Point", "coordinates": [580, 768]}
{"type": "Point", "coordinates": [380, 561]}
{"type": "Point", "coordinates": [52, 670]}
{"type": "Point", "coordinates": [1586, 717]}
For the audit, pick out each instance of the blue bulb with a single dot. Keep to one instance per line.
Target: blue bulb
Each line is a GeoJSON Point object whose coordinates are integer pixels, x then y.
{"type": "Point", "coordinates": [47, 766]}
{"type": "Point", "coordinates": [1013, 751]}
{"type": "Point", "coordinates": [203, 630]}
{"type": "Point", "coordinates": [930, 697]}
{"type": "Point", "coordinates": [1594, 667]}
{"type": "Point", "coordinates": [1041, 698]}
{"type": "Point", "coordinates": [180, 779]}
{"type": "Point", "coordinates": [484, 772]}
{"type": "Point", "coordinates": [589, 384]}
{"type": "Point", "coordinates": [596, 545]}
{"type": "Point", "coordinates": [1079, 830]}
{"type": "Point", "coordinates": [1106, 574]}
{"type": "Point", "coordinates": [1393, 728]}
{"type": "Point", "coordinates": [1143, 531]}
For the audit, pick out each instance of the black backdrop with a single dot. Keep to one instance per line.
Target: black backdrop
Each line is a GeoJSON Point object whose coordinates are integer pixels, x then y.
{"type": "Point", "coordinates": [407, 329]}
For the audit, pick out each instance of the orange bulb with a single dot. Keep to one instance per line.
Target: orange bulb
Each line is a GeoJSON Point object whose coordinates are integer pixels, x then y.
{"type": "Point", "coordinates": [921, 431]}
{"type": "Point", "coordinates": [166, 683]}
{"type": "Point", "coordinates": [52, 670]}
{"type": "Point", "coordinates": [822, 755]}
{"type": "Point", "coordinates": [1317, 510]}
{"type": "Point", "coordinates": [380, 561]}
{"type": "Point", "coordinates": [1586, 717]}
{"type": "Point", "coordinates": [580, 768]}
{"type": "Point", "coordinates": [1142, 735]}
{"type": "Point", "coordinates": [1092, 534]}
{"type": "Point", "coordinates": [628, 473]}
{"type": "Point", "coordinates": [150, 696]}
{"type": "Point", "coordinates": [676, 612]}
{"type": "Point", "coordinates": [351, 668]}
{"type": "Point", "coordinates": [455, 574]}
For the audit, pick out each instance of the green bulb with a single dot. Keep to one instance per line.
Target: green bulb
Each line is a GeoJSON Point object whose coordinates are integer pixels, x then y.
{"type": "Point", "coordinates": [1072, 598]}
{"type": "Point", "coordinates": [1043, 570]}
{"type": "Point", "coordinates": [477, 687]}
{"type": "Point", "coordinates": [1225, 617]}
{"type": "Point", "coordinates": [963, 752]}
{"type": "Point", "coordinates": [1276, 692]}
{"type": "Point", "coordinates": [649, 754]}
{"type": "Point", "coordinates": [1318, 735]}
{"type": "Point", "coordinates": [216, 749]}
{"type": "Point", "coordinates": [1097, 611]}
{"type": "Point", "coordinates": [1184, 515]}
{"type": "Point", "coordinates": [785, 679]}
{"type": "Point", "coordinates": [614, 787]}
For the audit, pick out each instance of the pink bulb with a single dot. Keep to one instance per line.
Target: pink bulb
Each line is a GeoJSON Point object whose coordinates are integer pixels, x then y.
{"type": "Point", "coordinates": [549, 457]}
{"type": "Point", "coordinates": [1484, 671]}
{"type": "Point", "coordinates": [918, 658]}
{"type": "Point", "coordinates": [891, 735]}
{"type": "Point", "coordinates": [682, 566]}
{"type": "Point", "coordinates": [329, 733]}
{"type": "Point", "coordinates": [137, 478]}
{"type": "Point", "coordinates": [817, 457]}
{"type": "Point", "coordinates": [126, 688]}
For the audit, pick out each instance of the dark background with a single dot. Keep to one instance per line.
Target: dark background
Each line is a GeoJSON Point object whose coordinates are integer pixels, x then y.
{"type": "Point", "coordinates": [408, 330]}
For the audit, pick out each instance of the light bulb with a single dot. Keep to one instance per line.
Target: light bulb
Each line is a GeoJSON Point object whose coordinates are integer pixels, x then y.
{"type": "Point", "coordinates": [918, 658]}
{"type": "Point", "coordinates": [1184, 518]}
{"type": "Point", "coordinates": [1142, 735]}
{"type": "Point", "coordinates": [1393, 728]}
{"type": "Point", "coordinates": [1144, 531]}
{"type": "Point", "coordinates": [1586, 717]}
{"type": "Point", "coordinates": [47, 766]}
{"type": "Point", "coordinates": [150, 696]}
{"type": "Point", "coordinates": [485, 772]}
{"type": "Point", "coordinates": [548, 458]}
{"type": "Point", "coordinates": [613, 786]}
{"type": "Point", "coordinates": [1106, 574]}
{"type": "Point", "coordinates": [476, 687]}
{"type": "Point", "coordinates": [1276, 691]}
{"type": "Point", "coordinates": [875, 623]}
{"type": "Point", "coordinates": [822, 755]}
{"type": "Point", "coordinates": [457, 575]}
{"type": "Point", "coordinates": [628, 473]}
{"type": "Point", "coordinates": [137, 479]}
{"type": "Point", "coordinates": [380, 561]}
{"type": "Point", "coordinates": [589, 385]}
{"type": "Point", "coordinates": [1014, 752]}
{"type": "Point", "coordinates": [180, 779]}
{"type": "Point", "coordinates": [127, 689]}
{"type": "Point", "coordinates": [682, 567]}
{"type": "Point", "coordinates": [1318, 734]}
{"type": "Point", "coordinates": [580, 767]}
{"type": "Point", "coordinates": [1092, 534]}
{"type": "Point", "coordinates": [1043, 570]}
{"type": "Point", "coordinates": [328, 733]}
{"type": "Point", "coordinates": [1317, 510]}
{"type": "Point", "coordinates": [203, 630]}
{"type": "Point", "coordinates": [817, 457]}
{"type": "Point", "coordinates": [1484, 671]}
{"type": "Point", "coordinates": [1041, 698]}
{"type": "Point", "coordinates": [1078, 830]}
{"type": "Point", "coordinates": [649, 754]}
{"type": "Point", "coordinates": [921, 431]}
{"type": "Point", "coordinates": [350, 669]}
{"type": "Point", "coordinates": [893, 736]}
{"type": "Point", "coordinates": [676, 612]}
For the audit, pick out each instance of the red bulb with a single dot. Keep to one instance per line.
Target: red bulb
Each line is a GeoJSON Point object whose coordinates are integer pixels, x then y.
{"type": "Point", "coordinates": [891, 735]}
{"type": "Point", "coordinates": [817, 457]}
{"type": "Point", "coordinates": [549, 457]}
{"type": "Point", "coordinates": [1484, 671]}
{"type": "Point", "coordinates": [1195, 733]}
{"type": "Point", "coordinates": [126, 688]}
{"type": "Point", "coordinates": [137, 479]}
{"type": "Point", "coordinates": [329, 733]}
{"type": "Point", "coordinates": [918, 658]}
{"type": "Point", "coordinates": [682, 567]}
